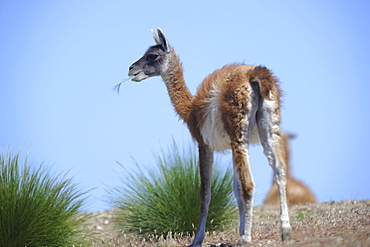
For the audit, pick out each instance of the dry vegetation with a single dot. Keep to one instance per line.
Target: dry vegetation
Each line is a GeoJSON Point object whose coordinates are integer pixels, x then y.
{"type": "Point", "coordinates": [325, 224]}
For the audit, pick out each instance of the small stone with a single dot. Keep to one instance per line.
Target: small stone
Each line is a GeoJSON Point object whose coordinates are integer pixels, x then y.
{"type": "Point", "coordinates": [339, 240]}
{"type": "Point", "coordinates": [99, 228]}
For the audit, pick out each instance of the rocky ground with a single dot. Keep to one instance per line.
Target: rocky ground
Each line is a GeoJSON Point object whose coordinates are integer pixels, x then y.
{"type": "Point", "coordinates": [326, 224]}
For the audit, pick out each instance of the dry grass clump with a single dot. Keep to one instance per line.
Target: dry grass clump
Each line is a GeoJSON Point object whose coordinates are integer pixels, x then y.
{"type": "Point", "coordinates": [165, 201]}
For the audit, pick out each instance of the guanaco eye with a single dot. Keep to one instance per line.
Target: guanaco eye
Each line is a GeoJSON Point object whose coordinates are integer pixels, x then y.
{"type": "Point", "coordinates": [152, 56]}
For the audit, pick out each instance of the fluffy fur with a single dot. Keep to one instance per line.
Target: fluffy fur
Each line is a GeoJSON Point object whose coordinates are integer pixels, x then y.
{"type": "Point", "coordinates": [233, 107]}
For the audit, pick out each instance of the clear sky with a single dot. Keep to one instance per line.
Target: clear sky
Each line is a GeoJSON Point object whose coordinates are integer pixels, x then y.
{"type": "Point", "coordinates": [61, 59]}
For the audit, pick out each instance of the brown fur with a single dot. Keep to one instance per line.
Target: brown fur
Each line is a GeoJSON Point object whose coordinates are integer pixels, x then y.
{"type": "Point", "coordinates": [297, 192]}
{"type": "Point", "coordinates": [178, 91]}
{"type": "Point", "coordinates": [243, 168]}
{"type": "Point", "coordinates": [234, 79]}
{"type": "Point", "coordinates": [224, 110]}
{"type": "Point", "coordinates": [220, 78]}
{"type": "Point", "coordinates": [269, 83]}
{"type": "Point", "coordinates": [235, 96]}
{"type": "Point", "coordinates": [234, 105]}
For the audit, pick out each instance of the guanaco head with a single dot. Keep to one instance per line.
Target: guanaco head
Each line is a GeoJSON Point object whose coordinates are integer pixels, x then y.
{"type": "Point", "coordinates": [285, 138]}
{"type": "Point", "coordinates": [155, 60]}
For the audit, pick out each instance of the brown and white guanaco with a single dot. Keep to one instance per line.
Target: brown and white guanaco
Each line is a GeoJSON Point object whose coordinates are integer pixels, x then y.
{"type": "Point", "coordinates": [233, 107]}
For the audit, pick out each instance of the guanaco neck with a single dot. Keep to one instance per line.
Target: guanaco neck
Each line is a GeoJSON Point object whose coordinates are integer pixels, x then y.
{"type": "Point", "coordinates": [179, 93]}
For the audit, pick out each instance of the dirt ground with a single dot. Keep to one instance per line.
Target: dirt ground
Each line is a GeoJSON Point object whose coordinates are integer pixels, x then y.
{"type": "Point", "coordinates": [344, 223]}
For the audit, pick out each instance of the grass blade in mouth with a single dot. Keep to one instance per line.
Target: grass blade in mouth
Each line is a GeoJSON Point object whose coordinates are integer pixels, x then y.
{"type": "Point", "coordinates": [117, 87]}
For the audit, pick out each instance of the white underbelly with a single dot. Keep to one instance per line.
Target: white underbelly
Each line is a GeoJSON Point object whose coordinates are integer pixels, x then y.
{"type": "Point", "coordinates": [214, 134]}
{"type": "Point", "coordinates": [213, 131]}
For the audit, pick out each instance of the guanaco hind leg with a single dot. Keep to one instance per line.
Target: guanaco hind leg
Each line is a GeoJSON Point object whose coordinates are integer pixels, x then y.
{"type": "Point", "coordinates": [269, 131]}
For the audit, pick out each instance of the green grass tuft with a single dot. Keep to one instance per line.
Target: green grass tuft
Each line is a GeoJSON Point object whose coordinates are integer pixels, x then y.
{"type": "Point", "coordinates": [166, 199]}
{"type": "Point", "coordinates": [37, 209]}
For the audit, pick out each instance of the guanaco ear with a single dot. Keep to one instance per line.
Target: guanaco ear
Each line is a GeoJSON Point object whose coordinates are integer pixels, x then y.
{"type": "Point", "coordinates": [292, 136]}
{"type": "Point", "coordinates": [162, 40]}
{"type": "Point", "coordinates": [157, 40]}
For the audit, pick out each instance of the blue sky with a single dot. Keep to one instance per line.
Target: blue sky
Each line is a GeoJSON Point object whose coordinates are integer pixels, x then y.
{"type": "Point", "coordinates": [61, 59]}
